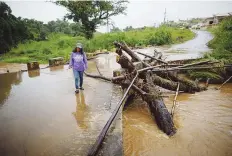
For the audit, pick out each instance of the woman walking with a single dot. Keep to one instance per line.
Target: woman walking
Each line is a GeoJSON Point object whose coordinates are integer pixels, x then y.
{"type": "Point", "coordinates": [78, 62]}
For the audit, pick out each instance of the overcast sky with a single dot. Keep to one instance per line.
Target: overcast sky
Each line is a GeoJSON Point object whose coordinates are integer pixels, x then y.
{"type": "Point", "coordinates": [139, 13]}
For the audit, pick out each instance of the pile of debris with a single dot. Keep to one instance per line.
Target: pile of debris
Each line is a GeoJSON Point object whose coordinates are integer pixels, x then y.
{"type": "Point", "coordinates": [144, 78]}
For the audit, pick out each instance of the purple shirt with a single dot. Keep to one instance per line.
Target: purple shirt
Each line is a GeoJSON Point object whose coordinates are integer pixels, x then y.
{"type": "Point", "coordinates": [78, 61]}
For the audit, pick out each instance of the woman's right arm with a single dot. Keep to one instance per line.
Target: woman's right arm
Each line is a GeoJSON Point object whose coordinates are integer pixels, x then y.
{"type": "Point", "coordinates": [71, 61]}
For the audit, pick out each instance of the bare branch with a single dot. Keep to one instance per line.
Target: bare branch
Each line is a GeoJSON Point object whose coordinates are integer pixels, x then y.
{"type": "Point", "coordinates": [174, 101]}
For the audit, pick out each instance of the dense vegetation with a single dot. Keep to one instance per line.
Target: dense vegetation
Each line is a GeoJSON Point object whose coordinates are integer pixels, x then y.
{"type": "Point", "coordinates": [24, 40]}
{"type": "Point", "coordinates": [87, 15]}
{"type": "Point", "coordinates": [222, 42]}
{"type": "Point", "coordinates": [12, 29]}
{"type": "Point", "coordinates": [62, 44]}
{"type": "Point", "coordinates": [19, 30]}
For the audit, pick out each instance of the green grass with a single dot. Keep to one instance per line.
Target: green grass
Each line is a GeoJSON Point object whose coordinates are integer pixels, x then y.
{"type": "Point", "coordinates": [204, 75]}
{"type": "Point", "coordinates": [62, 45]}
{"type": "Point", "coordinates": [222, 42]}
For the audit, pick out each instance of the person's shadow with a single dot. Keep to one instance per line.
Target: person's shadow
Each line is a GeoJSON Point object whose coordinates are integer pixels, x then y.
{"type": "Point", "coordinates": [82, 111]}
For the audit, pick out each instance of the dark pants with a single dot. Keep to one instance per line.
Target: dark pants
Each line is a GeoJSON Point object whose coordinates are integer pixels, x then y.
{"type": "Point", "coordinates": [78, 75]}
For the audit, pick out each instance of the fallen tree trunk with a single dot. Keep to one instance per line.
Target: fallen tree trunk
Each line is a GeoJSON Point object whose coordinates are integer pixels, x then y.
{"type": "Point", "coordinates": [158, 108]}
{"type": "Point", "coordinates": [152, 96]}
{"type": "Point", "coordinates": [191, 68]}
{"type": "Point", "coordinates": [189, 83]}
{"type": "Point", "coordinates": [170, 85]}
{"type": "Point", "coordinates": [157, 59]}
{"type": "Point", "coordinates": [130, 52]}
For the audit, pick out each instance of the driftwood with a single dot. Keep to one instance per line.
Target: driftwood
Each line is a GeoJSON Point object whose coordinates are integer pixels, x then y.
{"type": "Point", "coordinates": [113, 79]}
{"type": "Point", "coordinates": [144, 81]}
{"type": "Point", "coordinates": [190, 68]}
{"type": "Point", "coordinates": [150, 94]}
{"type": "Point", "coordinates": [174, 101]}
{"type": "Point", "coordinates": [191, 85]}
{"type": "Point", "coordinates": [158, 56]}
{"type": "Point", "coordinates": [97, 76]}
{"type": "Point", "coordinates": [157, 59]}
{"type": "Point", "coordinates": [130, 52]}
{"type": "Point", "coordinates": [225, 82]}
{"type": "Point", "coordinates": [158, 108]}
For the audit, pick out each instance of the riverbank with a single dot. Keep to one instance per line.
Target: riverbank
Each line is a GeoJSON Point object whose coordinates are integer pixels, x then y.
{"type": "Point", "coordinates": [222, 43]}
{"type": "Point", "coordinates": [61, 45]}
{"type": "Point", "coordinates": [221, 51]}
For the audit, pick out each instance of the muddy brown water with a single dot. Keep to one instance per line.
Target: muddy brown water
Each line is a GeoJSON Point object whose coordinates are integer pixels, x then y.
{"type": "Point", "coordinates": [203, 121]}
{"type": "Point", "coordinates": [40, 115]}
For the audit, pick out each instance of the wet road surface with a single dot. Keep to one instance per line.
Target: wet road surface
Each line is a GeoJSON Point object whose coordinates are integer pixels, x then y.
{"type": "Point", "coordinates": [191, 49]}
{"type": "Point", "coordinates": [41, 115]}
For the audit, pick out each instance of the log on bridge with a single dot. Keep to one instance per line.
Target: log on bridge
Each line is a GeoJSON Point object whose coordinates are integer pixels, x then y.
{"type": "Point", "coordinates": [144, 78]}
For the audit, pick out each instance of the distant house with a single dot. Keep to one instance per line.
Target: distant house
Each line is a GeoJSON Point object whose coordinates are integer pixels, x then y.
{"type": "Point", "coordinates": [217, 18]}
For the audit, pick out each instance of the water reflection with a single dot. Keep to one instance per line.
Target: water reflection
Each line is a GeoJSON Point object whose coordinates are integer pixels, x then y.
{"type": "Point", "coordinates": [6, 83]}
{"type": "Point", "coordinates": [82, 111]}
{"type": "Point", "coordinates": [34, 73]}
{"type": "Point", "coordinates": [57, 68]}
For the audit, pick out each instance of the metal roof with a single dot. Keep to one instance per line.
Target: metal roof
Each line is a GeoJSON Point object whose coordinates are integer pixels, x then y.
{"type": "Point", "coordinates": [225, 14]}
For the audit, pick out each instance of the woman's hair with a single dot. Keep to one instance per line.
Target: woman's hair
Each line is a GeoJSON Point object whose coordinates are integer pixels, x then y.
{"type": "Point", "coordinates": [75, 50]}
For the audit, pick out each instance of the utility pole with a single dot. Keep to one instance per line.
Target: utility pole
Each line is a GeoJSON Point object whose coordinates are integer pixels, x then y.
{"type": "Point", "coordinates": [164, 15]}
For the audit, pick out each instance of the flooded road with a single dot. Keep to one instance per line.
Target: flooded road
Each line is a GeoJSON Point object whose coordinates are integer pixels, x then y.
{"type": "Point", "coordinates": [191, 49]}
{"type": "Point", "coordinates": [40, 115]}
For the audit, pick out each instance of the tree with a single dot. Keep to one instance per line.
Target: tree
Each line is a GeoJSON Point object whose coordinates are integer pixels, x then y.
{"type": "Point", "coordinates": [128, 28]}
{"type": "Point", "coordinates": [92, 13]}
{"type": "Point", "coordinates": [12, 29]}
{"type": "Point", "coordinates": [115, 29]}
{"type": "Point", "coordinates": [76, 29]}
{"type": "Point", "coordinates": [37, 30]}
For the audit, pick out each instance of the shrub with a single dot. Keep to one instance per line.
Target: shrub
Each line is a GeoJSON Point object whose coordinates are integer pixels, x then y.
{"type": "Point", "coordinates": [59, 44]}
{"type": "Point", "coordinates": [222, 42]}
{"type": "Point", "coordinates": [46, 51]}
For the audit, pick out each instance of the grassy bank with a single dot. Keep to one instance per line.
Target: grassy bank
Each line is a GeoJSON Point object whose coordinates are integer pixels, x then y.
{"type": "Point", "coordinates": [222, 42]}
{"type": "Point", "coordinates": [62, 45]}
